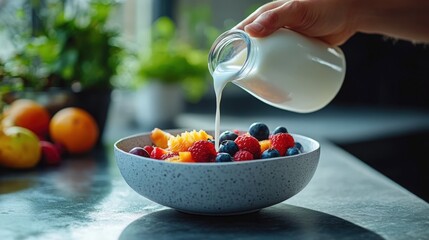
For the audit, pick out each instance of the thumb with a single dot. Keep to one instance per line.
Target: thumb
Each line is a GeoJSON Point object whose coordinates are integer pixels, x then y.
{"type": "Point", "coordinates": [292, 14]}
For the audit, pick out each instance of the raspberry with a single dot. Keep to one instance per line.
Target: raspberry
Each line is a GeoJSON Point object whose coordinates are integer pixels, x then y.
{"type": "Point", "coordinates": [281, 142]}
{"type": "Point", "coordinates": [203, 151]}
{"type": "Point", "coordinates": [243, 155]}
{"type": "Point", "coordinates": [249, 143]}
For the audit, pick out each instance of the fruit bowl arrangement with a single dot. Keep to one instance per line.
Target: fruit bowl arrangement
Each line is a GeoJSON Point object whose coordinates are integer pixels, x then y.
{"type": "Point", "coordinates": [201, 180]}
{"type": "Point", "coordinates": [30, 136]}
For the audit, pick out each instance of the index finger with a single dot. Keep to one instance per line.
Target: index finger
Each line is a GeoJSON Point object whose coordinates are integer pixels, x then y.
{"type": "Point", "coordinates": [258, 12]}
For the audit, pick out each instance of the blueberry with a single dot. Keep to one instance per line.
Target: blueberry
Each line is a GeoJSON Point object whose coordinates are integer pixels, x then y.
{"type": "Point", "coordinates": [259, 130]}
{"type": "Point", "coordinates": [270, 153]}
{"type": "Point", "coordinates": [228, 146]}
{"type": "Point", "coordinates": [299, 146]}
{"type": "Point", "coordinates": [139, 151]}
{"type": "Point", "coordinates": [227, 135]}
{"type": "Point", "coordinates": [292, 151]}
{"type": "Point", "coordinates": [280, 129]}
{"type": "Point", "coordinates": [223, 157]}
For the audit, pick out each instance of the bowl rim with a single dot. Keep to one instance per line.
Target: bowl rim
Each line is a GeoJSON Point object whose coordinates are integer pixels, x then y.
{"type": "Point", "coordinates": [283, 158]}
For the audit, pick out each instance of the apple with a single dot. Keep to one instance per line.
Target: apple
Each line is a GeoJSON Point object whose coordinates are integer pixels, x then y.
{"type": "Point", "coordinates": [19, 148]}
{"type": "Point", "coordinates": [51, 154]}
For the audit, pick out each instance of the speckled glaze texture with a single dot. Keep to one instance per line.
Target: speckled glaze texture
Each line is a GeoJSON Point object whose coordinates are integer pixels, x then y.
{"type": "Point", "coordinates": [216, 188]}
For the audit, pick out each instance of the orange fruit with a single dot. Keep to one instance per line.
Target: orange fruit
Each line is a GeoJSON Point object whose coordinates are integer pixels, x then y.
{"type": "Point", "coordinates": [28, 114]}
{"type": "Point", "coordinates": [75, 129]}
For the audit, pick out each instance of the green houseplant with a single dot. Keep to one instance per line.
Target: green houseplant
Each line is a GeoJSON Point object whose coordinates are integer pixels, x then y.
{"type": "Point", "coordinates": [173, 60]}
{"type": "Point", "coordinates": [171, 71]}
{"type": "Point", "coordinates": [67, 50]}
{"type": "Point", "coordinates": [70, 51]}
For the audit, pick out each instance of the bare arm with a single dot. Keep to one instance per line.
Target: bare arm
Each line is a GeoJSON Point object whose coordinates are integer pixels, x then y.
{"type": "Point", "coordinates": [401, 19]}
{"type": "Point", "coordinates": [335, 21]}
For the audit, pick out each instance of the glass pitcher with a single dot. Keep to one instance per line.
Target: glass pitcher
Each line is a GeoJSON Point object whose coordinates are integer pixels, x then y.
{"type": "Point", "coordinates": [286, 69]}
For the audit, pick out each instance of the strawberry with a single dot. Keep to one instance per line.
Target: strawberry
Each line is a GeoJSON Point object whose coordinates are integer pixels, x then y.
{"type": "Point", "coordinates": [243, 155]}
{"type": "Point", "coordinates": [249, 143]}
{"type": "Point", "coordinates": [203, 151]}
{"type": "Point", "coordinates": [281, 142]}
{"type": "Point", "coordinates": [157, 153]}
{"type": "Point", "coordinates": [148, 148]}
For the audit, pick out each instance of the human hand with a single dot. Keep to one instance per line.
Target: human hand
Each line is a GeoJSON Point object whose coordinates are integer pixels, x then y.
{"type": "Point", "coordinates": [335, 21]}
{"type": "Point", "coordinates": [329, 20]}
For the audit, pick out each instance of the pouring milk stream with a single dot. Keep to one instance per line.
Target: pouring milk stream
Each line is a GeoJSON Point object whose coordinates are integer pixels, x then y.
{"type": "Point", "coordinates": [286, 70]}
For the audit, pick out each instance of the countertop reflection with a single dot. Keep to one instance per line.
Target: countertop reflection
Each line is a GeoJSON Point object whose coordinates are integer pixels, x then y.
{"type": "Point", "coordinates": [282, 221]}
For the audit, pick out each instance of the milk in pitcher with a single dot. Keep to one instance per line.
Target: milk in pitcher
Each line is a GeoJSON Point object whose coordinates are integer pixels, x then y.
{"type": "Point", "coordinates": [286, 70]}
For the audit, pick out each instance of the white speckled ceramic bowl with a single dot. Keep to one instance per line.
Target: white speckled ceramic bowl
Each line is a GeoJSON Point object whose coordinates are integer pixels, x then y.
{"type": "Point", "coordinates": [216, 188]}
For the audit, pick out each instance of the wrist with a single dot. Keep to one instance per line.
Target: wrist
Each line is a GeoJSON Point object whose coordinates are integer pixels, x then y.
{"type": "Point", "coordinates": [367, 15]}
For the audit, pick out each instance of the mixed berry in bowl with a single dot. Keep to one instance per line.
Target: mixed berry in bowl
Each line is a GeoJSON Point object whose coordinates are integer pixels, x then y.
{"type": "Point", "coordinates": [199, 146]}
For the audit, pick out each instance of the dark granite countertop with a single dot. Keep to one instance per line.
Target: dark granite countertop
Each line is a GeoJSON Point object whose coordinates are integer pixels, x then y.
{"type": "Point", "coordinates": [86, 197]}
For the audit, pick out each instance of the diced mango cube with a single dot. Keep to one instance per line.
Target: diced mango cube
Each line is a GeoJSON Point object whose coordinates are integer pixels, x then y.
{"type": "Point", "coordinates": [182, 157]}
{"type": "Point", "coordinates": [160, 138]}
{"type": "Point", "coordinates": [265, 144]}
{"type": "Point", "coordinates": [186, 157]}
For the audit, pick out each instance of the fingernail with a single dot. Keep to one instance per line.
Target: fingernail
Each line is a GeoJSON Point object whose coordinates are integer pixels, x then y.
{"type": "Point", "coordinates": [255, 27]}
